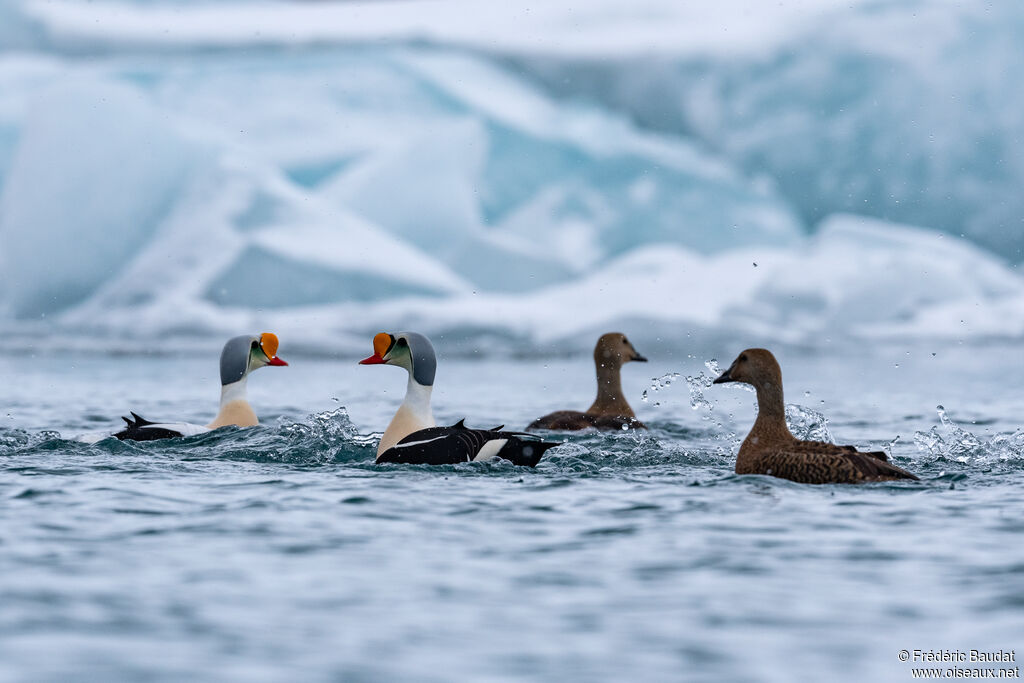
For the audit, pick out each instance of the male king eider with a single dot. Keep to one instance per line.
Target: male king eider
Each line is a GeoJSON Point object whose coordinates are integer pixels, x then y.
{"type": "Point", "coordinates": [240, 356]}
{"type": "Point", "coordinates": [771, 448]}
{"type": "Point", "coordinates": [610, 409]}
{"type": "Point", "coordinates": [412, 437]}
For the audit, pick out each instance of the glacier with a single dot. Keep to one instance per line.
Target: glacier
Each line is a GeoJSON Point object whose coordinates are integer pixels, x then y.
{"type": "Point", "coordinates": [504, 181]}
{"type": "Point", "coordinates": [905, 111]}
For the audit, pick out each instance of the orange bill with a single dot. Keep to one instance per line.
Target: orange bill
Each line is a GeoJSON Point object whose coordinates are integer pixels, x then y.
{"type": "Point", "coordinates": [381, 344]}
{"type": "Point", "coordinates": [269, 344]}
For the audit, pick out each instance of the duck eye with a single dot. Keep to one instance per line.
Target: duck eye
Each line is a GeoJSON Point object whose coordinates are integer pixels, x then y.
{"type": "Point", "coordinates": [743, 358]}
{"type": "Point", "coordinates": [402, 342]}
{"type": "Point", "coordinates": [625, 341]}
{"type": "Point", "coordinates": [255, 345]}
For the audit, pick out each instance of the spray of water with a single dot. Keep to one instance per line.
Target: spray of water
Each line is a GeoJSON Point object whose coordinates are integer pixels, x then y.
{"type": "Point", "coordinates": [948, 440]}
{"type": "Point", "coordinates": [657, 384]}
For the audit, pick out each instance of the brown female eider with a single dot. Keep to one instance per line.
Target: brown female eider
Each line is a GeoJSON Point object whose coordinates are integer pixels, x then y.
{"type": "Point", "coordinates": [771, 448]}
{"type": "Point", "coordinates": [610, 409]}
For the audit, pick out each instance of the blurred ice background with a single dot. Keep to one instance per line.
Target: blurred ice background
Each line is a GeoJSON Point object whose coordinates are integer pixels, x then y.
{"type": "Point", "coordinates": [510, 173]}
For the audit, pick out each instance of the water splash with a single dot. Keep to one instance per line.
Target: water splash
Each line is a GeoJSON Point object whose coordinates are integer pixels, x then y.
{"type": "Point", "coordinates": [808, 424]}
{"type": "Point", "coordinates": [330, 428]}
{"type": "Point", "coordinates": [14, 440]}
{"type": "Point", "coordinates": [950, 441]}
{"type": "Point", "coordinates": [657, 384]}
{"type": "Point", "coordinates": [699, 382]}
{"type": "Point", "coordinates": [11, 439]}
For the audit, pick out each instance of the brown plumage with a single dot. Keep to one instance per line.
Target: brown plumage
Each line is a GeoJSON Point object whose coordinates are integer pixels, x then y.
{"type": "Point", "coordinates": [610, 410]}
{"type": "Point", "coordinates": [771, 448]}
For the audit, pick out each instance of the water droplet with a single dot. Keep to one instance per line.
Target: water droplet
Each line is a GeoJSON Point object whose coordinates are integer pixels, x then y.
{"type": "Point", "coordinates": [806, 423]}
{"type": "Point", "coordinates": [659, 383]}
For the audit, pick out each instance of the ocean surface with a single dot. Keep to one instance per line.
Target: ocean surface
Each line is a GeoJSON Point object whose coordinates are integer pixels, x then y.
{"type": "Point", "coordinates": [282, 553]}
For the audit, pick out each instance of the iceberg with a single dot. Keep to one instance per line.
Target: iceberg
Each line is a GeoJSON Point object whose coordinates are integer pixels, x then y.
{"type": "Point", "coordinates": [143, 187]}
{"type": "Point", "coordinates": [904, 111]}
{"type": "Point", "coordinates": [509, 179]}
{"type": "Point", "coordinates": [869, 278]}
{"type": "Point", "coordinates": [509, 174]}
{"type": "Point", "coordinates": [857, 279]}
{"type": "Point", "coordinates": [94, 171]}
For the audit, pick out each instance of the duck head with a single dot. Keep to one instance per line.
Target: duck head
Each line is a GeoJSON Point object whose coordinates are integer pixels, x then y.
{"type": "Point", "coordinates": [613, 349]}
{"type": "Point", "coordinates": [408, 350]}
{"type": "Point", "coordinates": [756, 367]}
{"type": "Point", "coordinates": [242, 355]}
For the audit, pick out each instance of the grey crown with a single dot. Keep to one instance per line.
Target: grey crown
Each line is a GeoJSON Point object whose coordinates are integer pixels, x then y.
{"type": "Point", "coordinates": [424, 362]}
{"type": "Point", "coordinates": [234, 359]}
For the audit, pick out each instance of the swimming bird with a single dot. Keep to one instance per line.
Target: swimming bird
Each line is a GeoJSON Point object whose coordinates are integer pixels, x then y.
{"type": "Point", "coordinates": [413, 438]}
{"type": "Point", "coordinates": [610, 409]}
{"type": "Point", "coordinates": [771, 448]}
{"type": "Point", "coordinates": [240, 356]}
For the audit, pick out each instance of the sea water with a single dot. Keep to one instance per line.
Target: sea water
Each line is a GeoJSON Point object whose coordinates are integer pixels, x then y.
{"type": "Point", "coordinates": [282, 552]}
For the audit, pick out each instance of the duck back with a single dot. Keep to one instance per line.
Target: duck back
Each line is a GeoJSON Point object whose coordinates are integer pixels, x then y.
{"type": "Point", "coordinates": [574, 420]}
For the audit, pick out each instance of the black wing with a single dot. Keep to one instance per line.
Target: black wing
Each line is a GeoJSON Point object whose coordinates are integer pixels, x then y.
{"type": "Point", "coordinates": [134, 430]}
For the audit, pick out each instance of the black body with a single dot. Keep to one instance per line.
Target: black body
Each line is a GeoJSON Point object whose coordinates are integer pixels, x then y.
{"type": "Point", "coordinates": [135, 432]}
{"type": "Point", "coordinates": [458, 443]}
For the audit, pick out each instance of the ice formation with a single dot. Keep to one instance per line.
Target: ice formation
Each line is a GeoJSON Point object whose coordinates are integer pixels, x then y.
{"type": "Point", "coordinates": [517, 185]}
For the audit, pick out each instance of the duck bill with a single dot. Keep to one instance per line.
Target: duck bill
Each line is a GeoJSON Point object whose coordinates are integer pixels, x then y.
{"type": "Point", "coordinates": [375, 359]}
{"type": "Point", "coordinates": [639, 359]}
{"type": "Point", "coordinates": [277, 361]}
{"type": "Point", "coordinates": [724, 377]}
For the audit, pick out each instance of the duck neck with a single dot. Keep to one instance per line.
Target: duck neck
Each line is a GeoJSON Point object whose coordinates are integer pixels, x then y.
{"type": "Point", "coordinates": [610, 399]}
{"type": "Point", "coordinates": [770, 427]}
{"type": "Point", "coordinates": [413, 415]}
{"type": "Point", "coordinates": [234, 406]}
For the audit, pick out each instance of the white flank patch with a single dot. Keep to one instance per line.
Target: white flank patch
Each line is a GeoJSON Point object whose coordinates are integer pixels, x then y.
{"type": "Point", "coordinates": [183, 428]}
{"type": "Point", "coordinates": [490, 450]}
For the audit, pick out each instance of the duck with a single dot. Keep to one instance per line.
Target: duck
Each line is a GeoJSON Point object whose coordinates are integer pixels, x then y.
{"type": "Point", "coordinates": [413, 437]}
{"type": "Point", "coordinates": [771, 448]}
{"type": "Point", "coordinates": [610, 410]}
{"type": "Point", "coordinates": [240, 356]}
